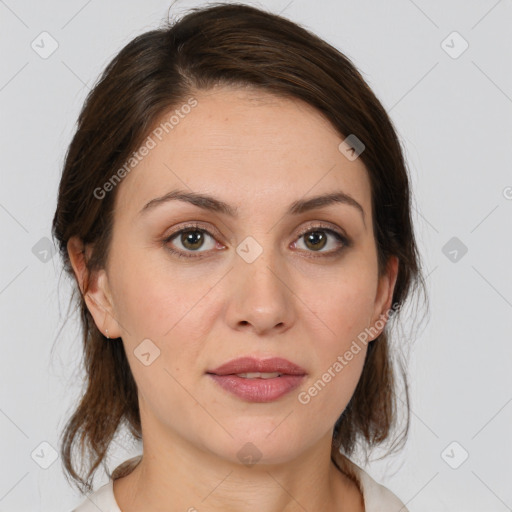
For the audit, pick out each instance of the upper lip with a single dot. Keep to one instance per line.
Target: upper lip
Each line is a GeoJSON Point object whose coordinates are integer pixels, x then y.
{"type": "Point", "coordinates": [253, 364]}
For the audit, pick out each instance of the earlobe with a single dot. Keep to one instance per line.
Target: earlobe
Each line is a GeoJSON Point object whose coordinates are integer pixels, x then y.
{"type": "Point", "coordinates": [97, 294]}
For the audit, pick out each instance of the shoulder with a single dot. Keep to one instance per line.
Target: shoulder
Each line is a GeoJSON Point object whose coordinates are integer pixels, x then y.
{"type": "Point", "coordinates": [102, 499]}
{"type": "Point", "coordinates": [377, 497]}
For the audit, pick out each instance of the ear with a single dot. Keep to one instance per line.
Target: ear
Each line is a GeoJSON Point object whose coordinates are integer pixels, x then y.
{"type": "Point", "coordinates": [384, 296]}
{"type": "Point", "coordinates": [98, 297]}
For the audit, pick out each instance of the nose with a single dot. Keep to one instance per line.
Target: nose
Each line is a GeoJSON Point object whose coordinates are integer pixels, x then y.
{"type": "Point", "coordinates": [261, 298]}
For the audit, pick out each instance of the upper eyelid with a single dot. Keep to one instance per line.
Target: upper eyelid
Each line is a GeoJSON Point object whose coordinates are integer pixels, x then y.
{"type": "Point", "coordinates": [193, 226]}
{"type": "Point", "coordinates": [322, 225]}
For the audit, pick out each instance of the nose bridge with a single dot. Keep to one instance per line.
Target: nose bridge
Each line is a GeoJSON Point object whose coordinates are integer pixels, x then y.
{"type": "Point", "coordinates": [258, 264]}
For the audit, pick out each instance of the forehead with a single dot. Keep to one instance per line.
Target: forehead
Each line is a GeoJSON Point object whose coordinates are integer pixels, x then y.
{"type": "Point", "coordinates": [243, 146]}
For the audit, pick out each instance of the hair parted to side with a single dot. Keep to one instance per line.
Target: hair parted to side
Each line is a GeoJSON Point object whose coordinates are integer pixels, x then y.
{"type": "Point", "coordinates": [234, 45]}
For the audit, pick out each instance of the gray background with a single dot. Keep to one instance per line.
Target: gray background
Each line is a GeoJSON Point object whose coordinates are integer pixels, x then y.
{"type": "Point", "coordinates": [454, 118]}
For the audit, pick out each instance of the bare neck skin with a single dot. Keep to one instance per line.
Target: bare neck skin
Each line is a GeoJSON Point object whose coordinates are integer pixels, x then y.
{"type": "Point", "coordinates": [182, 477]}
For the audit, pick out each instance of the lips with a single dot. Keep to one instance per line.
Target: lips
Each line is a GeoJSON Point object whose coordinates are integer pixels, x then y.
{"type": "Point", "coordinates": [257, 380]}
{"type": "Point", "coordinates": [254, 365]}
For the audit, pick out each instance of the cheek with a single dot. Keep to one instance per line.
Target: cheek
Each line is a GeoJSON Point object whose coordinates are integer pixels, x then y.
{"type": "Point", "coordinates": [172, 309]}
{"type": "Point", "coordinates": [343, 298]}
{"type": "Point", "coordinates": [349, 315]}
{"type": "Point", "coordinates": [152, 301]}
{"type": "Point", "coordinates": [342, 306]}
{"type": "Point", "coordinates": [167, 310]}
{"type": "Point", "coordinates": [340, 356]}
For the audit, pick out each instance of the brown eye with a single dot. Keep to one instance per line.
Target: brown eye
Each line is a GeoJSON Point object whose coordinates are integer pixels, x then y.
{"type": "Point", "coordinates": [188, 241]}
{"type": "Point", "coordinates": [192, 240]}
{"type": "Point", "coordinates": [317, 239]}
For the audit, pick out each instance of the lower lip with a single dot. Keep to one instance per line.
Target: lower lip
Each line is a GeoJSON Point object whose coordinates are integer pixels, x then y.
{"type": "Point", "coordinates": [258, 390]}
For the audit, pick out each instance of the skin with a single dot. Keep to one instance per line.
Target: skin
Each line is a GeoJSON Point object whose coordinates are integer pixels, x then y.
{"type": "Point", "coordinates": [258, 153]}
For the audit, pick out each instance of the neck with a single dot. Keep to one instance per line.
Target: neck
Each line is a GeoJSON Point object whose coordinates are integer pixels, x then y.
{"type": "Point", "coordinates": [180, 475]}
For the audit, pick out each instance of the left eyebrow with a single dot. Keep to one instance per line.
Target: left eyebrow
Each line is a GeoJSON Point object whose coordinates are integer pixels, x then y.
{"type": "Point", "coordinates": [210, 203]}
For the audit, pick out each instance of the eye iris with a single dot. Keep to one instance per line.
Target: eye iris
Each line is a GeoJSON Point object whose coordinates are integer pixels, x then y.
{"type": "Point", "coordinates": [315, 237]}
{"type": "Point", "coordinates": [190, 239]}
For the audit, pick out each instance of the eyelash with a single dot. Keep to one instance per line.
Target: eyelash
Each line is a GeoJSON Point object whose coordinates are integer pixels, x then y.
{"type": "Point", "coordinates": [198, 227]}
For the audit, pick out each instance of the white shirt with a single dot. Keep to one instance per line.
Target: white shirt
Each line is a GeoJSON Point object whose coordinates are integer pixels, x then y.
{"type": "Point", "coordinates": [377, 498]}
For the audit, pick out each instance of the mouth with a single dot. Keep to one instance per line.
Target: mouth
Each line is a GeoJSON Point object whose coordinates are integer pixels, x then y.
{"type": "Point", "coordinates": [256, 380]}
{"type": "Point", "coordinates": [259, 375]}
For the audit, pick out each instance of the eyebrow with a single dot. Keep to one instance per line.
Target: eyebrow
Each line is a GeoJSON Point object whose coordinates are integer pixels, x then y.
{"type": "Point", "coordinates": [210, 203]}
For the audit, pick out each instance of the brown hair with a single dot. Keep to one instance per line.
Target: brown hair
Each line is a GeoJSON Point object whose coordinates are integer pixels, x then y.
{"type": "Point", "coordinates": [238, 45]}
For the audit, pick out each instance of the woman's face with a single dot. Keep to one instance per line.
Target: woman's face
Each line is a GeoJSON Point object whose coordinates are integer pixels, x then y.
{"type": "Point", "coordinates": [249, 282]}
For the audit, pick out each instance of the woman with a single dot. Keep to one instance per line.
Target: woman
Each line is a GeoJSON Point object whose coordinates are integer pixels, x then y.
{"type": "Point", "coordinates": [235, 209]}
